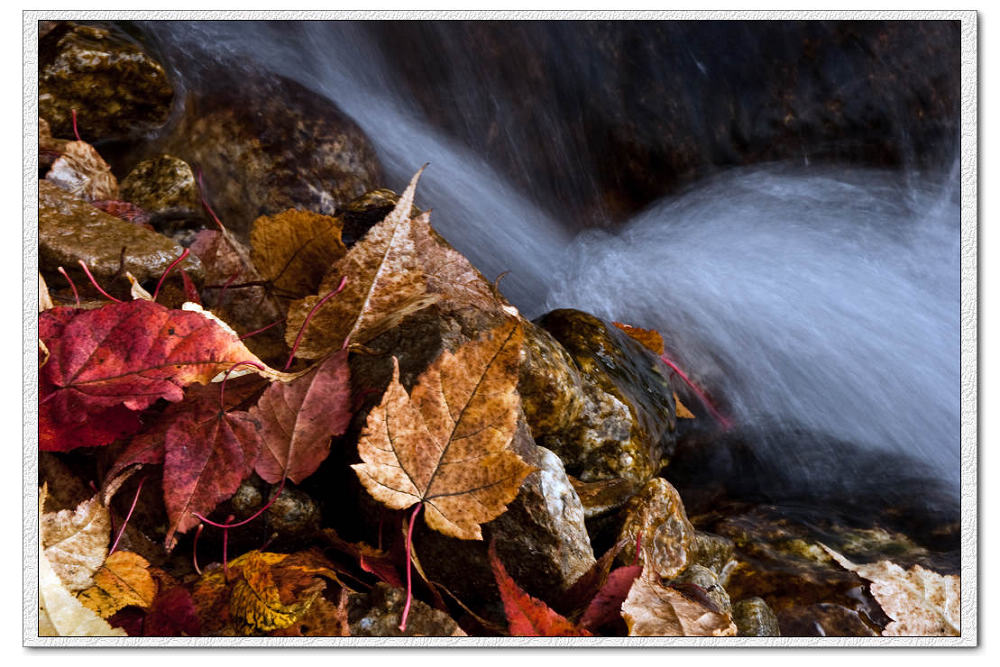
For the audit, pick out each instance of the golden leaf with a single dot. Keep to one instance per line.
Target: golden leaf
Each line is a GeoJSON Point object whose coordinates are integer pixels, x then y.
{"type": "Point", "coordinates": [294, 249]}
{"type": "Point", "coordinates": [123, 580]}
{"type": "Point", "coordinates": [649, 338]}
{"type": "Point", "coordinates": [681, 410]}
{"type": "Point", "coordinates": [447, 444]}
{"type": "Point", "coordinates": [75, 542]}
{"type": "Point", "coordinates": [654, 610]}
{"type": "Point", "coordinates": [920, 602]}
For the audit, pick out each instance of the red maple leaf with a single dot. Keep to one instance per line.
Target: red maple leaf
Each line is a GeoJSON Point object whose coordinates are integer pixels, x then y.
{"type": "Point", "coordinates": [607, 604]}
{"type": "Point", "coordinates": [528, 616]}
{"type": "Point", "coordinates": [298, 418]}
{"type": "Point", "coordinates": [123, 355]}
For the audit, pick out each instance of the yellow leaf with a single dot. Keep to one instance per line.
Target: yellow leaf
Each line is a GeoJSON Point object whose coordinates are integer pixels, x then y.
{"type": "Point", "coordinates": [122, 580]}
{"type": "Point", "coordinates": [682, 411]}
{"type": "Point", "coordinates": [294, 249]}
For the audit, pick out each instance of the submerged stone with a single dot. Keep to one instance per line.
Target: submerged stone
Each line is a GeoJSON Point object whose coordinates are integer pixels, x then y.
{"type": "Point", "coordinates": [165, 187]}
{"type": "Point", "coordinates": [754, 618]}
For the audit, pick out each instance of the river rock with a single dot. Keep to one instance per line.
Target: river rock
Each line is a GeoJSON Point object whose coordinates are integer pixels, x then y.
{"type": "Point", "coordinates": [657, 514]}
{"type": "Point", "coordinates": [700, 581]}
{"type": "Point", "coordinates": [49, 148]}
{"type": "Point", "coordinates": [164, 187]}
{"type": "Point", "coordinates": [754, 618]}
{"type": "Point", "coordinates": [266, 144]}
{"type": "Point", "coordinates": [625, 427]}
{"type": "Point", "coordinates": [712, 551]}
{"type": "Point", "coordinates": [362, 213]}
{"type": "Point", "coordinates": [550, 385]}
{"type": "Point", "coordinates": [380, 612]}
{"type": "Point", "coordinates": [117, 89]}
{"type": "Point", "coordinates": [70, 229]}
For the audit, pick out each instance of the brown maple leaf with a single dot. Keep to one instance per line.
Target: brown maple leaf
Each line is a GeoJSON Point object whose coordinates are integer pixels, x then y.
{"type": "Point", "coordinates": [447, 444]}
{"type": "Point", "coordinates": [122, 580]}
{"type": "Point", "coordinates": [81, 170]}
{"type": "Point", "coordinates": [293, 250]}
{"type": "Point", "coordinates": [654, 610]}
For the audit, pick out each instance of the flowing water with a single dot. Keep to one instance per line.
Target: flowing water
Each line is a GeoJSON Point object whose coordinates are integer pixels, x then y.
{"type": "Point", "coordinates": [814, 300]}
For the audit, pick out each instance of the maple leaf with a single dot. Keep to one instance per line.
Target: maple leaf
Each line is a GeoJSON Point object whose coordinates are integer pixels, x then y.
{"type": "Point", "coordinates": [654, 610]}
{"type": "Point", "coordinates": [920, 602]}
{"type": "Point", "coordinates": [528, 616]}
{"type": "Point", "coordinates": [265, 591]}
{"type": "Point", "coordinates": [123, 210]}
{"type": "Point", "coordinates": [607, 604]}
{"type": "Point", "coordinates": [122, 580]}
{"type": "Point", "coordinates": [75, 542]}
{"type": "Point", "coordinates": [447, 444]}
{"type": "Point", "coordinates": [172, 614]}
{"type": "Point", "coordinates": [298, 418]}
{"type": "Point", "coordinates": [384, 283]}
{"type": "Point", "coordinates": [81, 171]}
{"type": "Point", "coordinates": [60, 614]}
{"type": "Point", "coordinates": [128, 354]}
{"type": "Point", "coordinates": [293, 250]}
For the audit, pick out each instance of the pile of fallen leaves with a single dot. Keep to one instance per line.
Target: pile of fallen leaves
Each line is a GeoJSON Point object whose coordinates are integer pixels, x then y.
{"type": "Point", "coordinates": [178, 391]}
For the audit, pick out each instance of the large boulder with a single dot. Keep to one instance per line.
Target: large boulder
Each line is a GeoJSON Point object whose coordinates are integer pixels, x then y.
{"type": "Point", "coordinates": [116, 88]}
{"type": "Point", "coordinates": [266, 144]}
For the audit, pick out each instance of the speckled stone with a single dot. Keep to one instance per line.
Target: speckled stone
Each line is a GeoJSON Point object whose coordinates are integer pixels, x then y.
{"type": "Point", "coordinates": [379, 613]}
{"type": "Point", "coordinates": [657, 514]}
{"type": "Point", "coordinates": [117, 89]}
{"type": "Point", "coordinates": [626, 426]}
{"type": "Point", "coordinates": [165, 187]}
{"type": "Point", "coordinates": [754, 618]}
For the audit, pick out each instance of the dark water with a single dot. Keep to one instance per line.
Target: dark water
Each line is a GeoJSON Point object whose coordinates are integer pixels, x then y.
{"type": "Point", "coordinates": [819, 302]}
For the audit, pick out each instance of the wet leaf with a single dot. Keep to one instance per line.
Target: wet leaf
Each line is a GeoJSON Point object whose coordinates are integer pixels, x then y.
{"type": "Point", "coordinates": [75, 542]}
{"type": "Point", "coordinates": [298, 418]}
{"type": "Point", "coordinates": [920, 602]}
{"type": "Point", "coordinates": [654, 610]}
{"type": "Point", "coordinates": [607, 604]}
{"type": "Point", "coordinates": [653, 341]}
{"type": "Point", "coordinates": [528, 616]}
{"type": "Point", "coordinates": [294, 249]}
{"type": "Point", "coordinates": [447, 444]}
{"type": "Point", "coordinates": [122, 580]}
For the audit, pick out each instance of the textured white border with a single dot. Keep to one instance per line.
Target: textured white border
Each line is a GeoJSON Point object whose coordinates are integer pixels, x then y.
{"type": "Point", "coordinates": [969, 320]}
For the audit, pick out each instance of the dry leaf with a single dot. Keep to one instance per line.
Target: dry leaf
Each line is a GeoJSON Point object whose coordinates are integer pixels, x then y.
{"type": "Point", "coordinates": [653, 341]}
{"type": "Point", "coordinates": [654, 610]}
{"type": "Point", "coordinates": [82, 171]}
{"type": "Point", "coordinates": [384, 283]}
{"type": "Point", "coordinates": [922, 603]}
{"type": "Point", "coordinates": [294, 249]}
{"type": "Point", "coordinates": [446, 445]}
{"type": "Point", "coordinates": [44, 300]}
{"type": "Point", "coordinates": [62, 615]}
{"type": "Point", "coordinates": [75, 542]}
{"type": "Point", "coordinates": [122, 580]}
{"type": "Point", "coordinates": [681, 409]}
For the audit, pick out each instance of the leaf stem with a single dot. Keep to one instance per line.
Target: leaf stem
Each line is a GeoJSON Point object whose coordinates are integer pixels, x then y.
{"type": "Point", "coordinates": [726, 424]}
{"type": "Point", "coordinates": [281, 487]}
{"type": "Point", "coordinates": [261, 330]}
{"type": "Point", "coordinates": [99, 288]}
{"type": "Point", "coordinates": [204, 202]}
{"type": "Point", "coordinates": [76, 295]}
{"type": "Point", "coordinates": [305, 323]}
{"type": "Point", "coordinates": [222, 387]}
{"type": "Point", "coordinates": [121, 531]}
{"type": "Point", "coordinates": [194, 548]}
{"type": "Point", "coordinates": [187, 251]}
{"type": "Point", "coordinates": [409, 583]}
{"type": "Point", "coordinates": [76, 132]}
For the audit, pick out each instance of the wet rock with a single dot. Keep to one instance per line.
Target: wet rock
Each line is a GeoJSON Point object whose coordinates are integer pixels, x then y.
{"type": "Point", "coordinates": [550, 385]}
{"type": "Point", "coordinates": [698, 581]}
{"type": "Point", "coordinates": [711, 551]}
{"type": "Point", "coordinates": [657, 514]}
{"type": "Point", "coordinates": [81, 171]}
{"type": "Point", "coordinates": [294, 515]}
{"type": "Point", "coordinates": [70, 229]}
{"type": "Point", "coordinates": [622, 123]}
{"type": "Point", "coordinates": [164, 187]}
{"type": "Point", "coordinates": [754, 618]}
{"type": "Point", "coordinates": [267, 144]}
{"type": "Point", "coordinates": [379, 614]}
{"type": "Point", "coordinates": [625, 428]}
{"type": "Point", "coordinates": [117, 89]}
{"type": "Point", "coordinates": [824, 620]}
{"type": "Point", "coordinates": [49, 148]}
